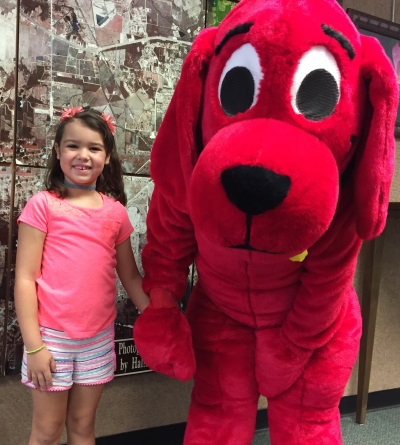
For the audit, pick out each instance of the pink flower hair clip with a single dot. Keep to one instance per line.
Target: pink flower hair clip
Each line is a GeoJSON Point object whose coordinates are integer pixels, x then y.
{"type": "Point", "coordinates": [70, 112]}
{"type": "Point", "coordinates": [109, 121]}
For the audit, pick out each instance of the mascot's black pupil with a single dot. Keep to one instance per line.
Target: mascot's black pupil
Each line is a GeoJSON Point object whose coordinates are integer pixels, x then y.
{"type": "Point", "coordinates": [318, 95]}
{"type": "Point", "coordinates": [237, 91]}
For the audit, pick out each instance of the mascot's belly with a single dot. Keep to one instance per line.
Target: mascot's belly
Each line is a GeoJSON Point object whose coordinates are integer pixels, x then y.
{"type": "Point", "coordinates": [254, 288]}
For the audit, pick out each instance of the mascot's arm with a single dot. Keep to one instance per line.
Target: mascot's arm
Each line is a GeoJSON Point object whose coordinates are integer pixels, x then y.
{"type": "Point", "coordinates": [318, 310]}
{"type": "Point", "coordinates": [169, 250]}
{"type": "Point", "coordinates": [326, 283]}
{"type": "Point", "coordinates": [162, 334]}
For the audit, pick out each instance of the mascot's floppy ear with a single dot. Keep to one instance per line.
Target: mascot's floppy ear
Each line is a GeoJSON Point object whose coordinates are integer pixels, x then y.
{"type": "Point", "coordinates": [375, 161]}
{"type": "Point", "coordinates": [174, 151]}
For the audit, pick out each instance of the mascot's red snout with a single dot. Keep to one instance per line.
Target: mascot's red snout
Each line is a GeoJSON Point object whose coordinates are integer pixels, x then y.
{"type": "Point", "coordinates": [274, 187]}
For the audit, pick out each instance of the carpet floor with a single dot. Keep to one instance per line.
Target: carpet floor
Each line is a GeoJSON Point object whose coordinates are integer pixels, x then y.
{"type": "Point", "coordinates": [382, 427]}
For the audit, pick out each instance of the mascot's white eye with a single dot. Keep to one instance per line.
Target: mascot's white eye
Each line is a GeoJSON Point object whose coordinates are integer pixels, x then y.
{"type": "Point", "coordinates": [240, 81]}
{"type": "Point", "coordinates": [315, 90]}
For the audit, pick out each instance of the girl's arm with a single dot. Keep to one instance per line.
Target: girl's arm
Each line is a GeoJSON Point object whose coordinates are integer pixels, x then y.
{"type": "Point", "coordinates": [28, 265]}
{"type": "Point", "coordinates": [129, 275]}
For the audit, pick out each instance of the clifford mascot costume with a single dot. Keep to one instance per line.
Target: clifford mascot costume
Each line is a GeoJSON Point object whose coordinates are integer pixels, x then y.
{"type": "Point", "coordinates": [272, 165]}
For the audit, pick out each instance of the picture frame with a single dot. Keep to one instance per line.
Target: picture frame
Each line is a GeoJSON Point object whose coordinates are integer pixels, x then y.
{"type": "Point", "coordinates": [388, 34]}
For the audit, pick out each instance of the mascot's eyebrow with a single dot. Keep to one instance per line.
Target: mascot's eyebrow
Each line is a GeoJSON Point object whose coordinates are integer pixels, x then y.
{"type": "Point", "coordinates": [340, 38]}
{"type": "Point", "coordinates": [240, 29]}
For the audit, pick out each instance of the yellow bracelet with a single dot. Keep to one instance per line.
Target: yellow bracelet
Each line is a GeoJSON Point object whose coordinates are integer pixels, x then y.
{"type": "Point", "coordinates": [35, 350]}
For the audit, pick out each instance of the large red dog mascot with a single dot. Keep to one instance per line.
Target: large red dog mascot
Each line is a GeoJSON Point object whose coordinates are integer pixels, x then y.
{"type": "Point", "coordinates": [272, 164]}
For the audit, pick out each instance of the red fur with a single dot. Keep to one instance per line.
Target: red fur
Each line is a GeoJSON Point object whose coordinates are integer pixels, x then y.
{"type": "Point", "coordinates": [261, 323]}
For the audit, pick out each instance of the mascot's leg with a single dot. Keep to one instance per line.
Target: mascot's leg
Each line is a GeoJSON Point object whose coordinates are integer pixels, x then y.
{"type": "Point", "coordinates": [225, 396]}
{"type": "Point", "coordinates": [308, 413]}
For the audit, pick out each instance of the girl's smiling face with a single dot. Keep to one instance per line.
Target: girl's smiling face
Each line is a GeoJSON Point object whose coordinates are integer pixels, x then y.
{"type": "Point", "coordinates": [82, 154]}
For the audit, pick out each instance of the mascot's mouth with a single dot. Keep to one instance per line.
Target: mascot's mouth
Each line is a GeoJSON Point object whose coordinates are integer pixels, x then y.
{"type": "Point", "coordinates": [253, 249]}
{"type": "Point", "coordinates": [254, 190]}
{"type": "Point", "coordinates": [246, 245]}
{"type": "Point", "coordinates": [296, 258]}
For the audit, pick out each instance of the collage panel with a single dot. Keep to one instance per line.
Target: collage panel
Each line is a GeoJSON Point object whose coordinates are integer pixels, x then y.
{"type": "Point", "coordinates": [14, 344]}
{"type": "Point", "coordinates": [8, 21]}
{"type": "Point", "coordinates": [34, 87]}
{"type": "Point", "coordinates": [28, 181]}
{"type": "Point", "coordinates": [181, 19]}
{"type": "Point", "coordinates": [140, 79]}
{"type": "Point", "coordinates": [138, 191]}
{"type": "Point", "coordinates": [5, 209]}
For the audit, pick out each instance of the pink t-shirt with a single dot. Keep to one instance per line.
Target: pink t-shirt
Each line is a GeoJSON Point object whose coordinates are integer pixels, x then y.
{"type": "Point", "coordinates": [76, 288]}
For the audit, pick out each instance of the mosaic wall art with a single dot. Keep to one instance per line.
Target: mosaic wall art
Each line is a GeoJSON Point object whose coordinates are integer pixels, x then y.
{"type": "Point", "coordinates": [8, 22]}
{"type": "Point", "coordinates": [119, 56]}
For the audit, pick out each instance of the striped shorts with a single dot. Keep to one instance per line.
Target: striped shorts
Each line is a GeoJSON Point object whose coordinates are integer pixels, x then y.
{"type": "Point", "coordinates": [89, 361]}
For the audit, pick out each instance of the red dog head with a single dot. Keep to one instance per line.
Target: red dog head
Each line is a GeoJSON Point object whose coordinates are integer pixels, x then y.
{"type": "Point", "coordinates": [272, 108]}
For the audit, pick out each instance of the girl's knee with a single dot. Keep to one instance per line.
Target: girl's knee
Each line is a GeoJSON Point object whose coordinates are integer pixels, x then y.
{"type": "Point", "coordinates": [78, 425]}
{"type": "Point", "coordinates": [47, 431]}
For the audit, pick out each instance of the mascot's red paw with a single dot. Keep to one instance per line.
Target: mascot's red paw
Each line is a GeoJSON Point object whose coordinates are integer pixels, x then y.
{"type": "Point", "coordinates": [279, 363]}
{"type": "Point", "coordinates": [159, 346]}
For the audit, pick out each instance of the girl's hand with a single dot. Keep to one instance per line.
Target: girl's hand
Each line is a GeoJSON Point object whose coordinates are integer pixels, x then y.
{"type": "Point", "coordinates": [40, 366]}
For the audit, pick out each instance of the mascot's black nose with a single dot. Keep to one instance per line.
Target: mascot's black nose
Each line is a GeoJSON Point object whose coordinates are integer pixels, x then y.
{"type": "Point", "coordinates": [254, 189]}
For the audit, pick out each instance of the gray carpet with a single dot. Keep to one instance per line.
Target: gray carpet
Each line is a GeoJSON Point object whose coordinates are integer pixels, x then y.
{"type": "Point", "coordinates": [382, 427]}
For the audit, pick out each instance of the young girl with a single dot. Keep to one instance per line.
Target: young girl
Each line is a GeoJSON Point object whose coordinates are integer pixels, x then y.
{"type": "Point", "coordinates": [71, 237]}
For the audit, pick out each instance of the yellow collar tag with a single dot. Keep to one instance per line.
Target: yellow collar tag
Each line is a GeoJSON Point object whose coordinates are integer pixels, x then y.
{"type": "Point", "coordinates": [300, 257]}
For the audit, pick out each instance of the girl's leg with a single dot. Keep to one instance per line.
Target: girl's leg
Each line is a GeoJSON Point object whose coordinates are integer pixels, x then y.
{"type": "Point", "coordinates": [94, 364]}
{"type": "Point", "coordinates": [82, 405]}
{"type": "Point", "coordinates": [48, 417]}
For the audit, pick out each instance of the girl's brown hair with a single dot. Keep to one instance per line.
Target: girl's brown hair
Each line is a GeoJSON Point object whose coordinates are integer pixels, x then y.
{"type": "Point", "coordinates": [110, 181]}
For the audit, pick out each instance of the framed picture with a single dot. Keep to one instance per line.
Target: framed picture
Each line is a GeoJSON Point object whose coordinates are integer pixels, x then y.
{"type": "Point", "coordinates": [217, 10]}
{"type": "Point", "coordinates": [388, 33]}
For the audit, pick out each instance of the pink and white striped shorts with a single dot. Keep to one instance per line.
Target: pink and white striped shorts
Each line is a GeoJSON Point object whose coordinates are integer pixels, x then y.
{"type": "Point", "coordinates": [89, 361]}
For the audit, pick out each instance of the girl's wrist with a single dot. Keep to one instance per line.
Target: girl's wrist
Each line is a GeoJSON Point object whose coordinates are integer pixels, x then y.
{"type": "Point", "coordinates": [34, 351]}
